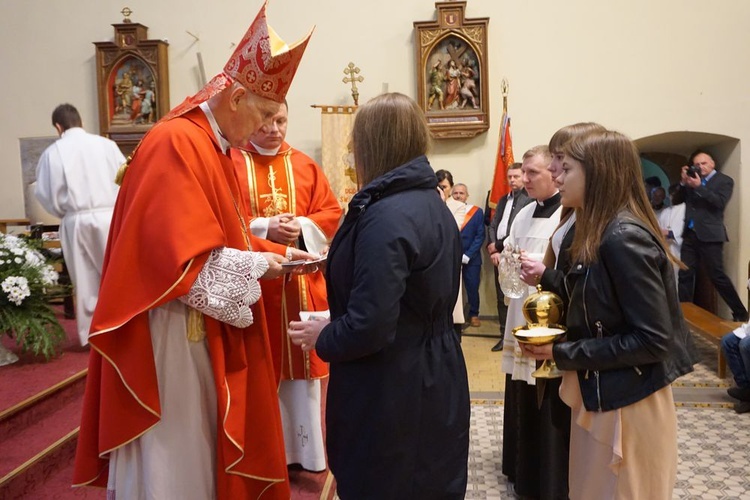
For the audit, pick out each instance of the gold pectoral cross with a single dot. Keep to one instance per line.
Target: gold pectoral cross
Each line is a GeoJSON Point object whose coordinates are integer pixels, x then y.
{"type": "Point", "coordinates": [276, 201]}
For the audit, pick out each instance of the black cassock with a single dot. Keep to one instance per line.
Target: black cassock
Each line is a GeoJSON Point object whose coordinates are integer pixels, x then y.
{"type": "Point", "coordinates": [536, 423]}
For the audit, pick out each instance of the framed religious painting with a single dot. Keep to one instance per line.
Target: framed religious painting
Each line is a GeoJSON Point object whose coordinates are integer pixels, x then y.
{"type": "Point", "coordinates": [132, 77]}
{"type": "Point", "coordinates": [452, 81]}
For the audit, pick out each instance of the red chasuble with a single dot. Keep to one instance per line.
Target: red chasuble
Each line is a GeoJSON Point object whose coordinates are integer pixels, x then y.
{"type": "Point", "coordinates": [174, 207]}
{"type": "Point", "coordinates": [290, 182]}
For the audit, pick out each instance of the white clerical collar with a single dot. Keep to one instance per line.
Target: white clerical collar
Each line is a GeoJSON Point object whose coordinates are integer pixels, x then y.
{"type": "Point", "coordinates": [223, 142]}
{"type": "Point", "coordinates": [541, 202]}
{"type": "Point", "coordinates": [264, 151]}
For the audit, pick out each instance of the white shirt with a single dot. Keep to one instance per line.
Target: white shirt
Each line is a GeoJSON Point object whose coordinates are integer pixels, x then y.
{"type": "Point", "coordinates": [502, 227]}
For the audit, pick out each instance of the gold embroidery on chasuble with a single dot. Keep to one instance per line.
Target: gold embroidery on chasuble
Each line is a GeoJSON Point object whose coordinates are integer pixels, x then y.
{"type": "Point", "coordinates": [271, 185]}
{"type": "Point", "coordinates": [272, 191]}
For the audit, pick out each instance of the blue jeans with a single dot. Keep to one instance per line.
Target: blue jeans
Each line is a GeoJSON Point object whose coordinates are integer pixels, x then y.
{"type": "Point", "coordinates": [738, 358]}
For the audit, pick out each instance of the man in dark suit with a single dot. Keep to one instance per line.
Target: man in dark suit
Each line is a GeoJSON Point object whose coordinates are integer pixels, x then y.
{"type": "Point", "coordinates": [707, 192]}
{"type": "Point", "coordinates": [472, 237]}
{"type": "Point", "coordinates": [506, 210]}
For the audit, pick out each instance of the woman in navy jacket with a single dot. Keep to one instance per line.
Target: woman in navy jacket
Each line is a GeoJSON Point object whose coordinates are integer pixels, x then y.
{"type": "Point", "coordinates": [397, 415]}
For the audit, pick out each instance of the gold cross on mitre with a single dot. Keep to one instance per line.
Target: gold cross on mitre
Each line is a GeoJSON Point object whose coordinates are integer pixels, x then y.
{"type": "Point", "coordinates": [352, 70]}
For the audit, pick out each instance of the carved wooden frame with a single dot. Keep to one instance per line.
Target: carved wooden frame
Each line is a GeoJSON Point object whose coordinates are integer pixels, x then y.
{"type": "Point", "coordinates": [131, 56]}
{"type": "Point", "coordinates": [452, 38]}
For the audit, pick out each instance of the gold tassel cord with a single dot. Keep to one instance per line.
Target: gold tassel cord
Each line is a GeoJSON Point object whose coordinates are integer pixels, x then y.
{"type": "Point", "coordinates": [121, 171]}
{"type": "Point", "coordinates": [196, 326]}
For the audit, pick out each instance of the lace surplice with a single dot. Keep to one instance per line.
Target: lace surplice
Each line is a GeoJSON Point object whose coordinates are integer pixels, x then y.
{"type": "Point", "coordinates": [228, 285]}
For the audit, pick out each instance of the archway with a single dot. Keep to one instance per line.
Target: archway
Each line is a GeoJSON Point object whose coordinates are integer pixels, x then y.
{"type": "Point", "coordinates": [670, 150]}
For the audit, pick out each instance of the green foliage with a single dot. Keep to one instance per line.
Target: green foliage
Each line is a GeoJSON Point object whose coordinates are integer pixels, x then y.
{"type": "Point", "coordinates": [25, 314]}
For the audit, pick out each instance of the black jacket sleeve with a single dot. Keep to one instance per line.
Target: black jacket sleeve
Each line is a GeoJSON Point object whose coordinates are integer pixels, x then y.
{"type": "Point", "coordinates": [626, 311]}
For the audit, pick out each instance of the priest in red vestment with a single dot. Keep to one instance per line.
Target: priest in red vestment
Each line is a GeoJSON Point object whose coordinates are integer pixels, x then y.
{"type": "Point", "coordinates": [292, 205]}
{"type": "Point", "coordinates": [180, 396]}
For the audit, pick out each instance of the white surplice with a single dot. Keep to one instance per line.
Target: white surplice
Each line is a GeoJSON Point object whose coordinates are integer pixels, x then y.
{"type": "Point", "coordinates": [76, 182]}
{"type": "Point", "coordinates": [672, 218]}
{"type": "Point", "coordinates": [532, 235]}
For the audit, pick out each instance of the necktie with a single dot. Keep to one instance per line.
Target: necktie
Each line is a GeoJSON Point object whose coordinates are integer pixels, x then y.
{"type": "Point", "coordinates": [690, 222]}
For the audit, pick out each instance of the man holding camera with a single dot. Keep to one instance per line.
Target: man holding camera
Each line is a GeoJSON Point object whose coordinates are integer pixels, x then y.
{"type": "Point", "coordinates": [707, 192]}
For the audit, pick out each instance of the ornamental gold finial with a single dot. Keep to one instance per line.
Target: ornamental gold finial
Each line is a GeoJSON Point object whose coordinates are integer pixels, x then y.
{"type": "Point", "coordinates": [352, 71]}
{"type": "Point", "coordinates": [504, 88]}
{"type": "Point", "coordinates": [126, 12]}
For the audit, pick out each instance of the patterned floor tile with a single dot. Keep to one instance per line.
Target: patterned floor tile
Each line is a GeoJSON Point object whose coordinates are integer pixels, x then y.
{"type": "Point", "coordinates": [714, 447]}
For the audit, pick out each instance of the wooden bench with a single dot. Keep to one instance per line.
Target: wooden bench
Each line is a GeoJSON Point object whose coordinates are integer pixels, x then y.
{"type": "Point", "coordinates": [709, 326]}
{"type": "Point", "coordinates": [4, 223]}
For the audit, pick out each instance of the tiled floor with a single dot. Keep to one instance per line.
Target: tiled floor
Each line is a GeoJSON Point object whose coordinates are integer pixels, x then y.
{"type": "Point", "coordinates": [714, 441]}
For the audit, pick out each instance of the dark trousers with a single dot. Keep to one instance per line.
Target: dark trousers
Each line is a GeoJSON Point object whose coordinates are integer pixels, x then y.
{"type": "Point", "coordinates": [711, 254]}
{"type": "Point", "coordinates": [738, 358]}
{"type": "Point", "coordinates": [472, 272]}
{"type": "Point", "coordinates": [502, 309]}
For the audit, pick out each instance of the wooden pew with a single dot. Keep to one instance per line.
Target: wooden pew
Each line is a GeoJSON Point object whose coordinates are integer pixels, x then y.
{"type": "Point", "coordinates": [4, 223]}
{"type": "Point", "coordinates": [709, 326]}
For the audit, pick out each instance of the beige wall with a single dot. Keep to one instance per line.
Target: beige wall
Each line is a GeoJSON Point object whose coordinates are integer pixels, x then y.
{"type": "Point", "coordinates": [640, 66]}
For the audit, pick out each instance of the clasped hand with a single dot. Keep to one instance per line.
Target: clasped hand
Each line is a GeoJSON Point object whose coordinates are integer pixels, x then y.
{"type": "Point", "coordinates": [284, 228]}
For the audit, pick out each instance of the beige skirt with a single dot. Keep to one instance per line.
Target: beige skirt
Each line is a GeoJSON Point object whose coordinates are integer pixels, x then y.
{"type": "Point", "coordinates": [629, 453]}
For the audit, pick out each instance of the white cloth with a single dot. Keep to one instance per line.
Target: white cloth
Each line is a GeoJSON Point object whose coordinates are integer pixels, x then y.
{"type": "Point", "coordinates": [300, 405]}
{"type": "Point", "coordinates": [458, 210]}
{"type": "Point", "coordinates": [75, 182]}
{"type": "Point", "coordinates": [672, 218]}
{"type": "Point", "coordinates": [176, 457]}
{"type": "Point", "coordinates": [532, 235]}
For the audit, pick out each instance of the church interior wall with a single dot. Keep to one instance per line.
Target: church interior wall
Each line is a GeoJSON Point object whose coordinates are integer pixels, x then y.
{"type": "Point", "coordinates": [638, 66]}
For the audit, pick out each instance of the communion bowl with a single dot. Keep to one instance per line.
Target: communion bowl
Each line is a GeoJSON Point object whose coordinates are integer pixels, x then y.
{"type": "Point", "coordinates": [543, 308]}
{"type": "Point", "coordinates": [537, 334]}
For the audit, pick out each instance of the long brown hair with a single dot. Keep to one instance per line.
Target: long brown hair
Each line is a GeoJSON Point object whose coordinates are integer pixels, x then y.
{"type": "Point", "coordinates": [388, 131]}
{"type": "Point", "coordinates": [613, 182]}
{"type": "Point", "coordinates": [560, 138]}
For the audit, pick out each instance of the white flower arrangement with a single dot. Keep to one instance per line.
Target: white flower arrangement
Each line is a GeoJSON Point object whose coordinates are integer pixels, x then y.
{"type": "Point", "coordinates": [25, 314]}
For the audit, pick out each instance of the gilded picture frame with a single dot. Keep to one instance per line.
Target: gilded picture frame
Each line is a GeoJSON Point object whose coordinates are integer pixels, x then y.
{"type": "Point", "coordinates": [452, 73]}
{"type": "Point", "coordinates": [132, 84]}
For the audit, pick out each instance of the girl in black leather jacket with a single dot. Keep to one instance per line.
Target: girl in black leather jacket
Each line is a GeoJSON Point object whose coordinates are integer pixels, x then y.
{"type": "Point", "coordinates": [627, 340]}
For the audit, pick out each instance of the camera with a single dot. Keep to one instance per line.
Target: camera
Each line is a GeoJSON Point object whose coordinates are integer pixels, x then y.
{"type": "Point", "coordinates": [694, 171]}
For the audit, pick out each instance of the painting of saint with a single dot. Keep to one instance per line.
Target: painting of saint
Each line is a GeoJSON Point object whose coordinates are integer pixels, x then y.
{"type": "Point", "coordinates": [132, 101]}
{"type": "Point", "coordinates": [451, 76]}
